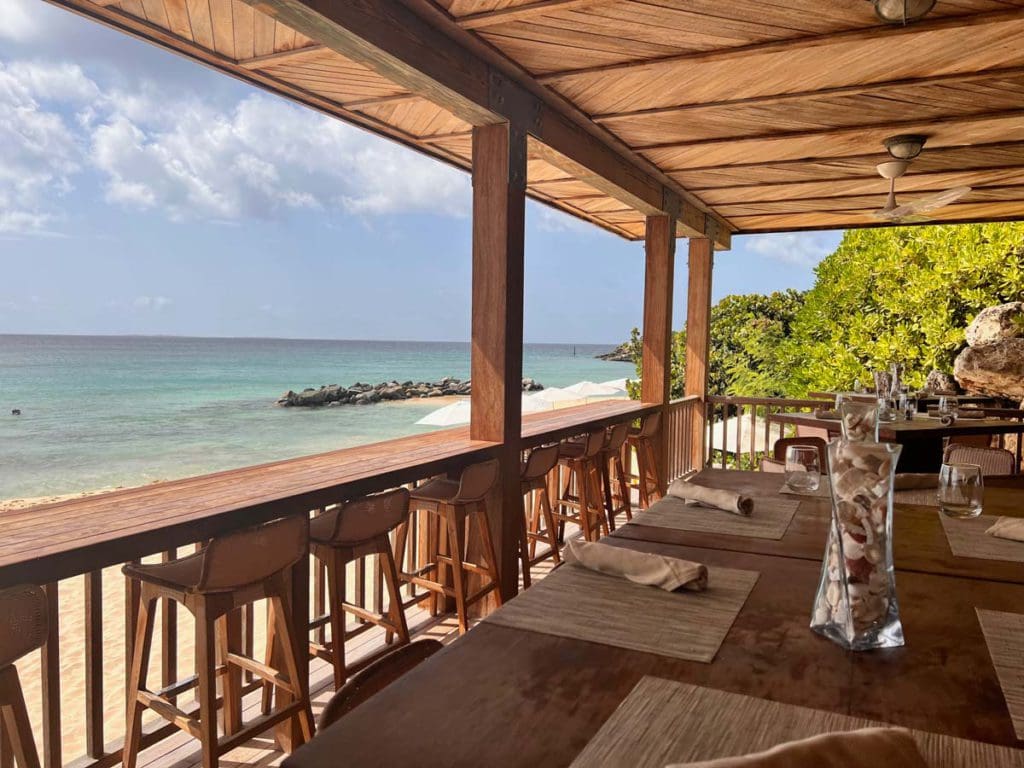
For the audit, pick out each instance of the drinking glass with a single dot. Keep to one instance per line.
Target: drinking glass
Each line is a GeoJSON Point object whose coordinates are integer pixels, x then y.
{"type": "Point", "coordinates": [908, 405]}
{"type": "Point", "coordinates": [803, 469]}
{"type": "Point", "coordinates": [961, 490]}
{"type": "Point", "coordinates": [886, 410]}
{"type": "Point", "coordinates": [840, 399]}
{"type": "Point", "coordinates": [948, 406]}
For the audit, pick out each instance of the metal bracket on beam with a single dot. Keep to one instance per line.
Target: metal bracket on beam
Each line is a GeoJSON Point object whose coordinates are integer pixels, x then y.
{"type": "Point", "coordinates": [512, 100]}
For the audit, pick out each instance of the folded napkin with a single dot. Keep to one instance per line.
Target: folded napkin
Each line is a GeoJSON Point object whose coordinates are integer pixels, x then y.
{"type": "Point", "coordinates": [727, 501]}
{"type": "Point", "coordinates": [915, 481]}
{"type": "Point", "coordinates": [1007, 528]}
{"type": "Point", "coordinates": [827, 415]}
{"type": "Point", "coordinates": [866, 748]}
{"type": "Point", "coordinates": [668, 573]}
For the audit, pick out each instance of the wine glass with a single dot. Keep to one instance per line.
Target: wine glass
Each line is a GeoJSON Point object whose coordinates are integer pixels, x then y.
{"type": "Point", "coordinates": [948, 406]}
{"type": "Point", "coordinates": [803, 468]}
{"type": "Point", "coordinates": [961, 490]}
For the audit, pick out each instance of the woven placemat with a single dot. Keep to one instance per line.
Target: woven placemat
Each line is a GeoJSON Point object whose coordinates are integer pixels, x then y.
{"type": "Point", "coordinates": [585, 605]}
{"type": "Point", "coordinates": [1004, 636]}
{"type": "Point", "coordinates": [928, 497]}
{"type": "Point", "coordinates": [663, 722]}
{"type": "Point", "coordinates": [769, 520]}
{"type": "Point", "coordinates": [967, 538]}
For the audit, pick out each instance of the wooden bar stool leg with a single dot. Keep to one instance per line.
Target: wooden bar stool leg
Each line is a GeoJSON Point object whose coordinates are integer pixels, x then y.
{"type": "Point", "coordinates": [206, 665]}
{"type": "Point", "coordinates": [267, 695]}
{"type": "Point", "coordinates": [17, 730]}
{"type": "Point", "coordinates": [288, 654]}
{"type": "Point", "coordinates": [606, 487]}
{"type": "Point", "coordinates": [524, 551]}
{"type": "Point", "coordinates": [534, 512]}
{"type": "Point", "coordinates": [336, 594]}
{"type": "Point", "coordinates": [230, 641]}
{"type": "Point", "coordinates": [396, 615]}
{"type": "Point", "coordinates": [622, 483]}
{"type": "Point", "coordinates": [6, 755]}
{"type": "Point", "coordinates": [137, 678]}
{"type": "Point", "coordinates": [456, 538]}
{"type": "Point", "coordinates": [549, 520]}
{"type": "Point", "coordinates": [484, 528]}
{"type": "Point", "coordinates": [600, 513]}
{"type": "Point", "coordinates": [652, 467]}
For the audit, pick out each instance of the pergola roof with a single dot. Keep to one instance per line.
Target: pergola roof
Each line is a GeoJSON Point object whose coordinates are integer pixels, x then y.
{"type": "Point", "coordinates": [758, 116]}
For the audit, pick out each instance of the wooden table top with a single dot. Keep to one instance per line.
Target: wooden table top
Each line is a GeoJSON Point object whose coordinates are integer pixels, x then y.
{"type": "Point", "coordinates": [56, 541]}
{"type": "Point", "coordinates": [922, 427]}
{"type": "Point", "coordinates": [919, 542]}
{"type": "Point", "coordinates": [508, 697]}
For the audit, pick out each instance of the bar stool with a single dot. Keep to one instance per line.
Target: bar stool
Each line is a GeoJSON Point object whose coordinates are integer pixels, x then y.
{"type": "Point", "coordinates": [642, 442]}
{"type": "Point", "coordinates": [612, 468]}
{"type": "Point", "coordinates": [24, 630]}
{"type": "Point", "coordinates": [533, 480]}
{"type": "Point", "coordinates": [228, 573]}
{"type": "Point", "coordinates": [455, 504]}
{"type": "Point", "coordinates": [581, 461]}
{"type": "Point", "coordinates": [355, 530]}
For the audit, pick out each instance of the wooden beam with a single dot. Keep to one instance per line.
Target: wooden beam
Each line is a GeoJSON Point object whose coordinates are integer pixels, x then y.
{"type": "Point", "coordinates": [390, 38]}
{"type": "Point", "coordinates": [656, 356]}
{"type": "Point", "coordinates": [270, 59]}
{"type": "Point", "coordinates": [795, 45]}
{"type": "Point", "coordinates": [698, 339]}
{"type": "Point", "coordinates": [499, 215]}
{"type": "Point", "coordinates": [522, 12]}
{"type": "Point", "coordinates": [954, 78]}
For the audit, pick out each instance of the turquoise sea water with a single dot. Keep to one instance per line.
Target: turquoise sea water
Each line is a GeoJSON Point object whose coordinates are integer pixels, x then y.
{"type": "Point", "coordinates": [107, 411]}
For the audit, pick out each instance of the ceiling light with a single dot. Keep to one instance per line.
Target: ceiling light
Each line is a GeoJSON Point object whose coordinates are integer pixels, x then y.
{"type": "Point", "coordinates": [902, 11]}
{"type": "Point", "coordinates": [905, 147]}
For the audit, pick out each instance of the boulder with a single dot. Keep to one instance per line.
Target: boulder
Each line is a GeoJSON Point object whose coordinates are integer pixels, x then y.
{"type": "Point", "coordinates": [940, 381]}
{"type": "Point", "coordinates": [995, 369]}
{"type": "Point", "coordinates": [994, 324]}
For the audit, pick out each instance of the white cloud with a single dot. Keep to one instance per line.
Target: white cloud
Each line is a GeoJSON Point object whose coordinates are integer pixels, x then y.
{"type": "Point", "coordinates": [800, 248]}
{"type": "Point", "coordinates": [20, 23]}
{"type": "Point", "coordinates": [188, 159]}
{"type": "Point", "coordinates": [155, 303]}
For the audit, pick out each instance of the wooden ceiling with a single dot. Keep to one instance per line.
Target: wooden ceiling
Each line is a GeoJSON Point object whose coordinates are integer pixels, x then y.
{"type": "Point", "coordinates": [767, 114]}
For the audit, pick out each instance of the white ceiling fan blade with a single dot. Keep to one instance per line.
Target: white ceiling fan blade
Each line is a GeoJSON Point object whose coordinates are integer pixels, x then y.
{"type": "Point", "coordinates": [913, 212]}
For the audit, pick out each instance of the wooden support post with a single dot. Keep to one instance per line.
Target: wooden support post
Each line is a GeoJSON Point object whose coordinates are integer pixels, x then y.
{"type": "Point", "coordinates": [499, 211]}
{"type": "Point", "coordinates": [698, 340]}
{"type": "Point", "coordinates": [656, 361]}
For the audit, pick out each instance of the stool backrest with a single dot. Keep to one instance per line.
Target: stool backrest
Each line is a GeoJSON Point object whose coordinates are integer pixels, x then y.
{"type": "Point", "coordinates": [540, 461]}
{"type": "Point", "coordinates": [250, 556]}
{"type": "Point", "coordinates": [993, 461]}
{"type": "Point", "coordinates": [371, 516]}
{"type": "Point", "coordinates": [650, 424]}
{"type": "Point", "coordinates": [616, 436]}
{"type": "Point", "coordinates": [476, 481]}
{"type": "Point", "coordinates": [593, 443]}
{"type": "Point", "coordinates": [25, 622]}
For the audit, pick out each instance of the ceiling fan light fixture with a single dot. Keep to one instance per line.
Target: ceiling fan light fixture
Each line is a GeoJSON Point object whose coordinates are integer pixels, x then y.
{"type": "Point", "coordinates": [905, 146]}
{"type": "Point", "coordinates": [902, 11]}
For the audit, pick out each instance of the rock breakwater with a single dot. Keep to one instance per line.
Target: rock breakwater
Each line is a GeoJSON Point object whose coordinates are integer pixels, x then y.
{"type": "Point", "coordinates": [367, 394]}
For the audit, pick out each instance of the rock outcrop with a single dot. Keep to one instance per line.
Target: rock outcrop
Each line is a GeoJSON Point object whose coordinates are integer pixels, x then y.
{"type": "Point", "coordinates": [367, 394]}
{"type": "Point", "coordinates": [993, 363]}
{"type": "Point", "coordinates": [940, 381]}
{"type": "Point", "coordinates": [621, 354]}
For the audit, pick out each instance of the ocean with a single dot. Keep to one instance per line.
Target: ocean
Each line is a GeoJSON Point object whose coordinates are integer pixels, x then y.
{"type": "Point", "coordinates": [99, 412]}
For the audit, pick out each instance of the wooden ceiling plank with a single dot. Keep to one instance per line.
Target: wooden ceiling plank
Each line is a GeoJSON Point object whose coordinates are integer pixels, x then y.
{"type": "Point", "coordinates": [791, 45]}
{"type": "Point", "coordinates": [270, 59]}
{"type": "Point", "coordinates": [520, 12]}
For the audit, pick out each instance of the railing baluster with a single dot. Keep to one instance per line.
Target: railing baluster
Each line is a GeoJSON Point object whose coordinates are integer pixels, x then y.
{"type": "Point", "coordinates": [50, 668]}
{"type": "Point", "coordinates": [94, 740]}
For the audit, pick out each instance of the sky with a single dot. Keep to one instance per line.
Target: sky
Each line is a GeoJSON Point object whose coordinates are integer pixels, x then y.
{"type": "Point", "coordinates": [141, 193]}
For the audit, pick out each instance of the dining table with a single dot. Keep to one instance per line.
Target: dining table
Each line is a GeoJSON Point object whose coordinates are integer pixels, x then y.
{"type": "Point", "coordinates": [507, 695]}
{"type": "Point", "coordinates": [923, 437]}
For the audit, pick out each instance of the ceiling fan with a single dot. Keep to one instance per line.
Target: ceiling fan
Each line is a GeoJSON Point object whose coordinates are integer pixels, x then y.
{"type": "Point", "coordinates": [903, 149]}
{"type": "Point", "coordinates": [902, 11]}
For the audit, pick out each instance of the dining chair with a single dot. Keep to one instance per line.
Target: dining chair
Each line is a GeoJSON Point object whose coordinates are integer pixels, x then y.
{"type": "Point", "coordinates": [24, 630]}
{"type": "Point", "coordinates": [993, 461]}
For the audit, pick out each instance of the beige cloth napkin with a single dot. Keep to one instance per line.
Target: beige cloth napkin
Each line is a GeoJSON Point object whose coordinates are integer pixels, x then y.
{"type": "Point", "coordinates": [1007, 528]}
{"type": "Point", "coordinates": [668, 573]}
{"type": "Point", "coordinates": [916, 481]}
{"type": "Point", "coordinates": [727, 501]}
{"type": "Point", "coordinates": [866, 748]}
{"type": "Point", "coordinates": [827, 415]}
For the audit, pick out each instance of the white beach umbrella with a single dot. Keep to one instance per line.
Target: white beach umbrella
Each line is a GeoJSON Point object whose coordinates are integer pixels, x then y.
{"type": "Point", "coordinates": [617, 383]}
{"type": "Point", "coordinates": [590, 389]}
{"type": "Point", "coordinates": [555, 395]}
{"type": "Point", "coordinates": [724, 434]}
{"type": "Point", "coordinates": [457, 413]}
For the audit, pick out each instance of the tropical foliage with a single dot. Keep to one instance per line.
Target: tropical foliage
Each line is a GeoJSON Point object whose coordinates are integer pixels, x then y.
{"type": "Point", "coordinates": [885, 295]}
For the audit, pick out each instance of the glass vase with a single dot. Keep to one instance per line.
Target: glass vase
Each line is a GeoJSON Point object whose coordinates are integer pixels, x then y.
{"type": "Point", "coordinates": [856, 603]}
{"type": "Point", "coordinates": [859, 421]}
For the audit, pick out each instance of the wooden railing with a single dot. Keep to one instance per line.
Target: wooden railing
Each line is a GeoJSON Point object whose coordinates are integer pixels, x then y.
{"type": "Point", "coordinates": [739, 432]}
{"type": "Point", "coordinates": [681, 420]}
{"type": "Point", "coordinates": [76, 686]}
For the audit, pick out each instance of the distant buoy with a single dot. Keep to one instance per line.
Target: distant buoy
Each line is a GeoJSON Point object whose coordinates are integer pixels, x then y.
{"type": "Point", "coordinates": [16, 412]}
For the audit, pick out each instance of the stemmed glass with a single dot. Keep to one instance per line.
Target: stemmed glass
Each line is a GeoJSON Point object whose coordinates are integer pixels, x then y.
{"type": "Point", "coordinates": [803, 468]}
{"type": "Point", "coordinates": [961, 490]}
